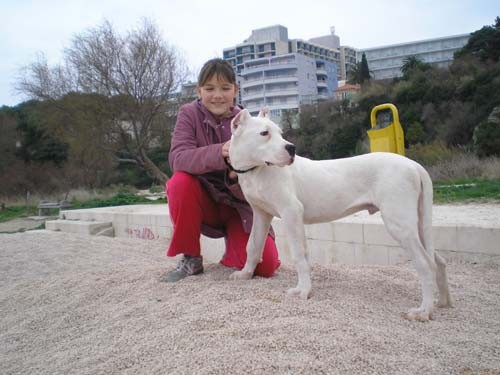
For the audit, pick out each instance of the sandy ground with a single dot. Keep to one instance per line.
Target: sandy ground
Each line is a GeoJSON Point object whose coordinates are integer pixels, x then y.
{"type": "Point", "coordinates": [94, 305]}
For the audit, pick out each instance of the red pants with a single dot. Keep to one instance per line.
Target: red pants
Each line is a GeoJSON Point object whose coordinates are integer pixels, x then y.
{"type": "Point", "coordinates": [190, 206]}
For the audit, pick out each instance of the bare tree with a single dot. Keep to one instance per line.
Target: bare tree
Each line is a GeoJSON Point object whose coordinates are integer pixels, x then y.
{"type": "Point", "coordinates": [135, 74]}
{"type": "Point", "coordinates": [39, 81]}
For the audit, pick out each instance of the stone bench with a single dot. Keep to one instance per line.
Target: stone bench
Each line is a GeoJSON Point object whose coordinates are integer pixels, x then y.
{"type": "Point", "coordinates": [45, 207]}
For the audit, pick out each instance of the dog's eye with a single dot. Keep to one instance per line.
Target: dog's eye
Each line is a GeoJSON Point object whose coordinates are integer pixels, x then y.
{"type": "Point", "coordinates": [264, 133]}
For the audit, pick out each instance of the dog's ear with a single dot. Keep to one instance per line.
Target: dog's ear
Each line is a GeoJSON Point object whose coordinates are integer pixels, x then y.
{"type": "Point", "coordinates": [264, 112]}
{"type": "Point", "coordinates": [239, 120]}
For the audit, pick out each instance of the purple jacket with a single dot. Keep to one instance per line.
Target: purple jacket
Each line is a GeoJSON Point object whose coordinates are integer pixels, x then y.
{"type": "Point", "coordinates": [197, 149]}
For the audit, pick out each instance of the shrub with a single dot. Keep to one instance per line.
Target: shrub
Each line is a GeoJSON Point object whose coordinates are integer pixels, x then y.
{"type": "Point", "coordinates": [487, 135]}
{"type": "Point", "coordinates": [415, 133]}
{"type": "Point", "coordinates": [444, 163]}
{"type": "Point", "coordinates": [430, 154]}
{"type": "Point", "coordinates": [487, 139]}
{"type": "Point", "coordinates": [464, 165]}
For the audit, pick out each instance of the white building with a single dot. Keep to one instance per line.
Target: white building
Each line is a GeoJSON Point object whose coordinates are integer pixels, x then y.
{"type": "Point", "coordinates": [285, 82]}
{"type": "Point", "coordinates": [347, 61]}
{"type": "Point", "coordinates": [386, 61]}
{"type": "Point", "coordinates": [282, 73]}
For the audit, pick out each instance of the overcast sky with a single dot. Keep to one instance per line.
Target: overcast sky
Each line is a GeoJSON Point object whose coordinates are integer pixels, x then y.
{"type": "Point", "coordinates": [200, 29]}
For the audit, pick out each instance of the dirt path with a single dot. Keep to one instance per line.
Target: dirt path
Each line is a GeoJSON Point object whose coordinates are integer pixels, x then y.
{"type": "Point", "coordinates": [93, 305]}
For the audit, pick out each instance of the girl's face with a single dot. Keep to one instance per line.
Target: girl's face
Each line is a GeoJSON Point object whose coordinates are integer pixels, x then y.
{"type": "Point", "coordinates": [218, 95]}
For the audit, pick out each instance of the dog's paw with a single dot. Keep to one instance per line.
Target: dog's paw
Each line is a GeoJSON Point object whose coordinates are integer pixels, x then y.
{"type": "Point", "coordinates": [240, 275]}
{"type": "Point", "coordinates": [444, 303]}
{"type": "Point", "coordinates": [299, 293]}
{"type": "Point", "coordinates": [418, 315]}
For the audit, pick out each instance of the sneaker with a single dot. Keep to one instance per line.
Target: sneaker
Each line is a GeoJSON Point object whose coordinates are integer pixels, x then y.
{"type": "Point", "coordinates": [187, 266]}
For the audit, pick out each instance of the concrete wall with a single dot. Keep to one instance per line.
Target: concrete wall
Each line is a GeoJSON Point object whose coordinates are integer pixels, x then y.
{"type": "Point", "coordinates": [358, 239]}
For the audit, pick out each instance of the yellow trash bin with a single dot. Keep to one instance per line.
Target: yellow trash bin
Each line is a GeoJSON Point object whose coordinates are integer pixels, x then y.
{"type": "Point", "coordinates": [386, 133]}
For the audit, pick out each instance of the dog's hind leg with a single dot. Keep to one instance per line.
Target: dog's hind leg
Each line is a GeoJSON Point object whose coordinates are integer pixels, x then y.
{"type": "Point", "coordinates": [255, 247]}
{"type": "Point", "coordinates": [402, 224]}
{"type": "Point", "coordinates": [427, 240]}
{"type": "Point", "coordinates": [442, 282]}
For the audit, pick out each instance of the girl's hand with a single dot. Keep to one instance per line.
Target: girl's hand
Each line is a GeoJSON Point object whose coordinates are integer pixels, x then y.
{"type": "Point", "coordinates": [225, 154]}
{"type": "Point", "coordinates": [233, 175]}
{"type": "Point", "coordinates": [225, 149]}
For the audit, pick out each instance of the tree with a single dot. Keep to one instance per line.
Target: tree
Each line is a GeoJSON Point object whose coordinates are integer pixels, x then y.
{"type": "Point", "coordinates": [133, 75]}
{"type": "Point", "coordinates": [364, 71]}
{"type": "Point", "coordinates": [487, 135]}
{"type": "Point", "coordinates": [8, 139]}
{"type": "Point", "coordinates": [412, 64]}
{"type": "Point", "coordinates": [289, 119]}
{"type": "Point", "coordinates": [36, 143]}
{"type": "Point", "coordinates": [359, 73]}
{"type": "Point", "coordinates": [353, 76]}
{"type": "Point", "coordinates": [483, 44]}
{"type": "Point", "coordinates": [415, 133]}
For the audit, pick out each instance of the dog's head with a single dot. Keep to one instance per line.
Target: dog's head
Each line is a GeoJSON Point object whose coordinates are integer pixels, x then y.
{"type": "Point", "coordinates": [257, 141]}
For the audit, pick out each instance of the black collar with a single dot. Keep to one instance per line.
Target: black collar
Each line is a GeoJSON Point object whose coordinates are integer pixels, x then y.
{"type": "Point", "coordinates": [238, 170]}
{"type": "Point", "coordinates": [245, 171]}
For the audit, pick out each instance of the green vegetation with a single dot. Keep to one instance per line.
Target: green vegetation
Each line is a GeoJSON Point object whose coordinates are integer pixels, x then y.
{"type": "Point", "coordinates": [467, 190]}
{"type": "Point", "coordinates": [120, 199]}
{"type": "Point", "coordinates": [360, 73]}
{"type": "Point", "coordinates": [14, 212]}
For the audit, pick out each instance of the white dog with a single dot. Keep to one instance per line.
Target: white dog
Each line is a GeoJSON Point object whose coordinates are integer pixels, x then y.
{"type": "Point", "coordinates": [305, 191]}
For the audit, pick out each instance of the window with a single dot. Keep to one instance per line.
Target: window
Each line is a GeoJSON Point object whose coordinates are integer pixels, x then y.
{"type": "Point", "coordinates": [275, 112]}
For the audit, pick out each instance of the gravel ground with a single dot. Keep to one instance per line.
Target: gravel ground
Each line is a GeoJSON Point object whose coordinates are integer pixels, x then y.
{"type": "Point", "coordinates": [93, 305]}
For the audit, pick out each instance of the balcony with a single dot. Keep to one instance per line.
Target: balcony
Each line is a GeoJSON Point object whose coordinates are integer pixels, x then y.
{"type": "Point", "coordinates": [254, 108]}
{"type": "Point", "coordinates": [292, 91]}
{"type": "Point", "coordinates": [249, 69]}
{"type": "Point", "coordinates": [321, 72]}
{"type": "Point", "coordinates": [258, 81]}
{"type": "Point", "coordinates": [281, 78]}
{"type": "Point", "coordinates": [252, 96]}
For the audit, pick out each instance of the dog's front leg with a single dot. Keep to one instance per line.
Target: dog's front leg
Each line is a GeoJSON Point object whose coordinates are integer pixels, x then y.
{"type": "Point", "coordinates": [260, 228]}
{"type": "Point", "coordinates": [297, 243]}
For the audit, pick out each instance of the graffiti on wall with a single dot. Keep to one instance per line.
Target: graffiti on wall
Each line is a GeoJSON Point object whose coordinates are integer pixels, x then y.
{"type": "Point", "coordinates": [144, 233]}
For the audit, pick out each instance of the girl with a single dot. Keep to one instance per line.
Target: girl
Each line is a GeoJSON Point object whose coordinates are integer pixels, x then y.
{"type": "Point", "coordinates": [203, 194]}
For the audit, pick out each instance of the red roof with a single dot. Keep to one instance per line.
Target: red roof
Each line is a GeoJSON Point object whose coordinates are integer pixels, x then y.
{"type": "Point", "coordinates": [349, 87]}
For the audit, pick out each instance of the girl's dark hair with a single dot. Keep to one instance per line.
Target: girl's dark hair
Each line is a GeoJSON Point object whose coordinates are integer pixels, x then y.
{"type": "Point", "coordinates": [217, 67]}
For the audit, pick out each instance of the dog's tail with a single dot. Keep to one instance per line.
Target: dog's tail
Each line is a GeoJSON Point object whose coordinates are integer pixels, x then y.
{"type": "Point", "coordinates": [425, 212]}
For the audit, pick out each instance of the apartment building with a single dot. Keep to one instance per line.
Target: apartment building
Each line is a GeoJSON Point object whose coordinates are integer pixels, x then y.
{"type": "Point", "coordinates": [282, 73]}
{"type": "Point", "coordinates": [348, 60]}
{"type": "Point", "coordinates": [265, 42]}
{"type": "Point", "coordinates": [285, 82]}
{"type": "Point", "coordinates": [386, 61]}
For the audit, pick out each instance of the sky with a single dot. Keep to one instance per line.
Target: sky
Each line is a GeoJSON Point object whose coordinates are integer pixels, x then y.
{"type": "Point", "coordinates": [201, 29]}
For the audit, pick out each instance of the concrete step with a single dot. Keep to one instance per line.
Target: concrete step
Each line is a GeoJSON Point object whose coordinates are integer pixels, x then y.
{"type": "Point", "coordinates": [89, 227]}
